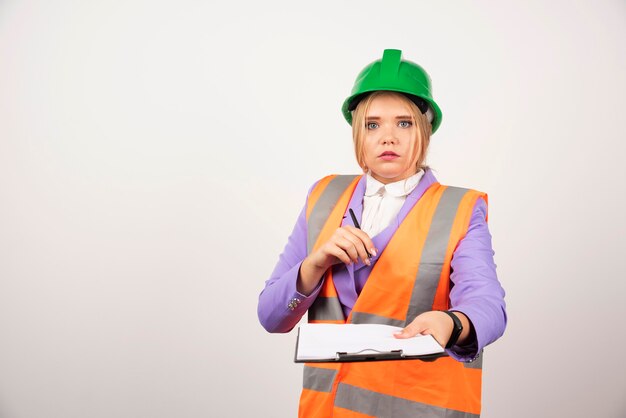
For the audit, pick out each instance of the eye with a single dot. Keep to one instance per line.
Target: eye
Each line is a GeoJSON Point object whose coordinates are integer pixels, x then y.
{"type": "Point", "coordinates": [405, 124]}
{"type": "Point", "coordinates": [371, 125]}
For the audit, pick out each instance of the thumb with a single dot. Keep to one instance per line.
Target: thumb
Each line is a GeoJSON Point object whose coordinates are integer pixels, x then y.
{"type": "Point", "coordinates": [409, 331]}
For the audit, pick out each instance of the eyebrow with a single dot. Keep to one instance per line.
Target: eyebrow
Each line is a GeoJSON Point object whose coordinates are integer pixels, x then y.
{"type": "Point", "coordinates": [378, 117]}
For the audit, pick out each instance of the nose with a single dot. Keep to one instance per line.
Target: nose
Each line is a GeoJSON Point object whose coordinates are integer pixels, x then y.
{"type": "Point", "coordinates": [388, 138]}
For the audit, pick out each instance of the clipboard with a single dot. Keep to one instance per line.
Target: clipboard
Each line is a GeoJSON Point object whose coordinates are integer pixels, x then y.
{"type": "Point", "coordinates": [369, 354]}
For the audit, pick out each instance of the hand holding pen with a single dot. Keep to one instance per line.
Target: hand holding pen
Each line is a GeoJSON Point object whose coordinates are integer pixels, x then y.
{"type": "Point", "coordinates": [347, 245]}
{"type": "Point", "coordinates": [356, 224]}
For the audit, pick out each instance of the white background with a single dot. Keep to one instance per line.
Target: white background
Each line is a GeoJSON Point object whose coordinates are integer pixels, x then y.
{"type": "Point", "coordinates": [154, 156]}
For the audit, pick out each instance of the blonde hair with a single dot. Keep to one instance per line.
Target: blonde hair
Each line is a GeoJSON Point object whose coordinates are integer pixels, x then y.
{"type": "Point", "coordinates": [420, 121]}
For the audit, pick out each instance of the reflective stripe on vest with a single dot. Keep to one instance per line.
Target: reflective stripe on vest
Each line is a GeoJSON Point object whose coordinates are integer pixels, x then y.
{"type": "Point", "coordinates": [316, 378]}
{"type": "Point", "coordinates": [325, 210]}
{"type": "Point", "coordinates": [325, 309]}
{"type": "Point", "coordinates": [397, 290]}
{"type": "Point", "coordinates": [354, 398]}
{"type": "Point", "coordinates": [322, 202]}
{"type": "Point", "coordinates": [477, 363]}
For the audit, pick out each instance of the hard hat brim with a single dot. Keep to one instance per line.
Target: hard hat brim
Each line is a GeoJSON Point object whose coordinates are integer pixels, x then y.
{"type": "Point", "coordinates": [352, 102]}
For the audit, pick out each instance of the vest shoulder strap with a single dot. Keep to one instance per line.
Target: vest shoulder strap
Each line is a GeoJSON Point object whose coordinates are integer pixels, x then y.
{"type": "Point", "coordinates": [321, 202]}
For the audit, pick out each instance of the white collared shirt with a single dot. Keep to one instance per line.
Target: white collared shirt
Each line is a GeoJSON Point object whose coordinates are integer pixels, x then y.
{"type": "Point", "coordinates": [382, 202]}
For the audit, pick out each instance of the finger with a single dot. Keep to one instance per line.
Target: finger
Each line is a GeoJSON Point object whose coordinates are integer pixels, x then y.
{"type": "Point", "coordinates": [348, 247]}
{"type": "Point", "coordinates": [365, 239]}
{"type": "Point", "coordinates": [361, 246]}
{"type": "Point", "coordinates": [411, 330]}
{"type": "Point", "coordinates": [358, 246]}
{"type": "Point", "coordinates": [341, 255]}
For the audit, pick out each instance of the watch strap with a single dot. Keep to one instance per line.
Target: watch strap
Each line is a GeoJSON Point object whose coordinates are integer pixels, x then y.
{"type": "Point", "coordinates": [456, 330]}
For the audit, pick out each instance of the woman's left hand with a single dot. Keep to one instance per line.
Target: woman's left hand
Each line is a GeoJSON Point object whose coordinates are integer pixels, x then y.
{"type": "Point", "coordinates": [435, 323]}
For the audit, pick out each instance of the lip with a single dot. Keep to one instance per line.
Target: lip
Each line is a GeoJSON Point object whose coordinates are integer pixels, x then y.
{"type": "Point", "coordinates": [388, 155]}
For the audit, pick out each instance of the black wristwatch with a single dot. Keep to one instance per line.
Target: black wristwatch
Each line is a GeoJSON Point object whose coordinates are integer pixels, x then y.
{"type": "Point", "coordinates": [456, 330]}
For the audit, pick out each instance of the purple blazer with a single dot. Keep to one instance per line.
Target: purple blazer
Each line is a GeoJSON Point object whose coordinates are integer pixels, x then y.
{"type": "Point", "coordinates": [476, 290]}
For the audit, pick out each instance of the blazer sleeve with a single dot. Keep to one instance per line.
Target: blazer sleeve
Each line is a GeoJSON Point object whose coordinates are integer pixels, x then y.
{"type": "Point", "coordinates": [281, 306]}
{"type": "Point", "coordinates": [476, 291]}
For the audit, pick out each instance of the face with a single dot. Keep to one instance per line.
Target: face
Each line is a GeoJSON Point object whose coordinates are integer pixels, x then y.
{"type": "Point", "coordinates": [390, 138]}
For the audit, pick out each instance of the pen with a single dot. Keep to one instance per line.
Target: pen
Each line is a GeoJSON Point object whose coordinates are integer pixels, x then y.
{"type": "Point", "coordinates": [356, 224]}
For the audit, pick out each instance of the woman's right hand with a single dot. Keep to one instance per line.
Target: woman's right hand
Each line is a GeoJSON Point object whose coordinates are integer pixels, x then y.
{"type": "Point", "coordinates": [347, 245]}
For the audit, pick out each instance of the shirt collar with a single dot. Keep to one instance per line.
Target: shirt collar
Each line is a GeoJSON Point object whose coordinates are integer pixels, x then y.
{"type": "Point", "coordinates": [398, 189]}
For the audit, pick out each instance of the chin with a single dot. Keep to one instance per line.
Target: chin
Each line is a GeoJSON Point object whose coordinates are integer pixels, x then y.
{"type": "Point", "coordinates": [389, 174]}
{"type": "Point", "coordinates": [386, 177]}
{"type": "Point", "coordinates": [392, 176]}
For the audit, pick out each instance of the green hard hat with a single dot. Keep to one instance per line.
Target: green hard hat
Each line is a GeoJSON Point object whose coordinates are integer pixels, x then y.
{"type": "Point", "coordinates": [392, 73]}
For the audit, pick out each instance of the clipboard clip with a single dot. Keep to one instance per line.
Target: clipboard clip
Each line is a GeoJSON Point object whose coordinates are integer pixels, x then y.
{"type": "Point", "coordinates": [369, 354]}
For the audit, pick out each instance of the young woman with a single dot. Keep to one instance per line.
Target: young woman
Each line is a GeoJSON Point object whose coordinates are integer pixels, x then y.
{"type": "Point", "coordinates": [422, 260]}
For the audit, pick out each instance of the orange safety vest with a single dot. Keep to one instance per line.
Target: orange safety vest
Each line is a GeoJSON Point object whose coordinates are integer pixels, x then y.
{"type": "Point", "coordinates": [411, 276]}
